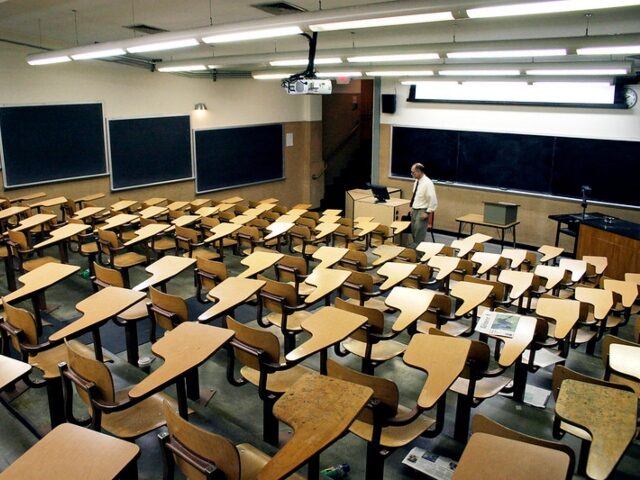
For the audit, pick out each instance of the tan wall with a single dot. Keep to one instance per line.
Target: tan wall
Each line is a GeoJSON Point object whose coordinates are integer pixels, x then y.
{"type": "Point", "coordinates": [534, 229]}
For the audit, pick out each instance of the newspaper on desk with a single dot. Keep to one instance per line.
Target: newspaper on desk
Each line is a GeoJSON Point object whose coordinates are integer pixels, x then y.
{"type": "Point", "coordinates": [498, 324]}
{"type": "Point", "coordinates": [431, 464]}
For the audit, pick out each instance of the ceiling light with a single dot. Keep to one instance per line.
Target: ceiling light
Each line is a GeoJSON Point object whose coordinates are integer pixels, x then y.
{"type": "Point", "coordinates": [405, 57]}
{"type": "Point", "coordinates": [479, 73]}
{"type": "Point", "coordinates": [578, 71]}
{"type": "Point", "coordinates": [382, 22]}
{"type": "Point", "coordinates": [47, 61]}
{"type": "Point", "coordinates": [270, 76]}
{"type": "Point", "coordinates": [154, 47]}
{"type": "Point", "coordinates": [619, 50]}
{"type": "Point", "coordinates": [252, 35]}
{"type": "Point", "coordinates": [182, 68]}
{"type": "Point", "coordinates": [111, 52]}
{"type": "Point", "coordinates": [304, 61]}
{"type": "Point", "coordinates": [549, 52]}
{"type": "Point", "coordinates": [401, 73]}
{"type": "Point", "coordinates": [338, 74]}
{"type": "Point", "coordinates": [556, 6]}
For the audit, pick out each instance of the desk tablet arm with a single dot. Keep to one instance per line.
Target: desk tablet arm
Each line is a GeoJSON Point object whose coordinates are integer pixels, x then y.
{"type": "Point", "coordinates": [199, 275]}
{"type": "Point", "coordinates": [6, 332]}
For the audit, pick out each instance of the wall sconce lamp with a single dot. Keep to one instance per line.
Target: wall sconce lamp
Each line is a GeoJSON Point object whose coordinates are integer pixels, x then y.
{"type": "Point", "coordinates": [200, 106]}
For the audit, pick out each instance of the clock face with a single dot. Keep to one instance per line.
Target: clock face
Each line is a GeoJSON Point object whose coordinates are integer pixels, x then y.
{"type": "Point", "coordinates": [630, 97]}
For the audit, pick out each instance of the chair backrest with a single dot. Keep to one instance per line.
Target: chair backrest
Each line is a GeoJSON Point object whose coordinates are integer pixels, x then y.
{"type": "Point", "coordinates": [408, 255]}
{"type": "Point", "coordinates": [259, 223]}
{"type": "Point", "coordinates": [270, 216]}
{"type": "Point", "coordinates": [375, 318]}
{"type": "Point", "coordinates": [209, 222]}
{"type": "Point", "coordinates": [277, 289]}
{"type": "Point", "coordinates": [211, 267]}
{"type": "Point", "coordinates": [498, 293]}
{"type": "Point", "coordinates": [208, 446]}
{"type": "Point", "coordinates": [354, 260]}
{"type": "Point", "coordinates": [258, 338]}
{"type": "Point", "coordinates": [147, 221]}
{"type": "Point", "coordinates": [313, 215]}
{"type": "Point", "coordinates": [441, 304]}
{"type": "Point", "coordinates": [562, 373]}
{"type": "Point", "coordinates": [420, 274]}
{"type": "Point", "coordinates": [357, 283]}
{"type": "Point", "coordinates": [24, 320]}
{"type": "Point", "coordinates": [226, 215]}
{"type": "Point", "coordinates": [186, 236]}
{"type": "Point", "coordinates": [92, 371]}
{"type": "Point", "coordinates": [239, 208]}
{"type": "Point", "coordinates": [108, 239]}
{"type": "Point", "coordinates": [20, 239]}
{"type": "Point", "coordinates": [298, 233]}
{"type": "Point", "coordinates": [107, 276]}
{"type": "Point", "coordinates": [171, 304]}
{"type": "Point", "coordinates": [289, 268]}
{"type": "Point", "coordinates": [465, 267]}
{"type": "Point", "coordinates": [310, 223]}
{"type": "Point", "coordinates": [280, 209]}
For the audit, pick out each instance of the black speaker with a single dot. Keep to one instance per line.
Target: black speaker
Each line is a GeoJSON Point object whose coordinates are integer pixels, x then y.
{"type": "Point", "coordinates": [388, 103]}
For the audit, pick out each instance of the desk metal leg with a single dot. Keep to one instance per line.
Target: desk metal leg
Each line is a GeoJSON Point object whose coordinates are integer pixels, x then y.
{"type": "Point", "coordinates": [557, 234]}
{"type": "Point", "coordinates": [313, 467]}
{"type": "Point", "coordinates": [463, 415]}
{"type": "Point", "coordinates": [459, 229]}
{"type": "Point", "coordinates": [131, 340]}
{"type": "Point", "coordinates": [56, 401]}
{"type": "Point", "coordinates": [97, 344]}
{"type": "Point", "coordinates": [514, 236]}
{"type": "Point", "coordinates": [519, 381]}
{"type": "Point", "coordinates": [193, 384]}
{"type": "Point", "coordinates": [11, 274]}
{"type": "Point", "coordinates": [181, 392]}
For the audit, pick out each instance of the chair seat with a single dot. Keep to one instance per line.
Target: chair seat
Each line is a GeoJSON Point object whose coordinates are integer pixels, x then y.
{"type": "Point", "coordinates": [626, 381]}
{"type": "Point", "coordinates": [162, 244]}
{"type": "Point", "coordinates": [380, 352]}
{"type": "Point", "coordinates": [583, 335]}
{"type": "Point", "coordinates": [203, 253]}
{"type": "Point", "coordinates": [128, 235]}
{"type": "Point", "coordinates": [253, 460]}
{"type": "Point", "coordinates": [89, 248]}
{"type": "Point", "coordinates": [34, 263]}
{"type": "Point", "coordinates": [137, 312]}
{"type": "Point", "coordinates": [4, 252]}
{"type": "Point", "coordinates": [277, 382]}
{"type": "Point", "coordinates": [129, 259]}
{"type": "Point", "coordinates": [309, 250]}
{"type": "Point", "coordinates": [613, 321]}
{"type": "Point", "coordinates": [394, 437]}
{"type": "Point", "coordinates": [48, 360]}
{"type": "Point", "coordinates": [293, 320]}
{"type": "Point", "coordinates": [486, 387]}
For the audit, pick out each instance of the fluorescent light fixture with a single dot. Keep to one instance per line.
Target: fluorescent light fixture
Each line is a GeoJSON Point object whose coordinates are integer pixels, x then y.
{"type": "Point", "coordinates": [338, 74]}
{"type": "Point", "coordinates": [517, 92]}
{"type": "Point", "coordinates": [619, 50]}
{"type": "Point", "coordinates": [297, 62]}
{"type": "Point", "coordinates": [557, 6]}
{"type": "Point", "coordinates": [270, 76]}
{"type": "Point", "coordinates": [578, 71]}
{"type": "Point", "coordinates": [252, 35]}
{"type": "Point", "coordinates": [213, 67]}
{"type": "Point", "coordinates": [479, 73]}
{"type": "Point", "coordinates": [383, 21]}
{"type": "Point", "coordinates": [401, 73]}
{"type": "Point", "coordinates": [111, 52]}
{"type": "Point", "coordinates": [154, 47]}
{"type": "Point", "coordinates": [182, 68]}
{"type": "Point", "coordinates": [549, 52]}
{"type": "Point", "coordinates": [50, 60]}
{"type": "Point", "coordinates": [404, 57]}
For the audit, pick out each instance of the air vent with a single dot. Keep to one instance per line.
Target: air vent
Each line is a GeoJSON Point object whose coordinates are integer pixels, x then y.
{"type": "Point", "coordinates": [142, 28]}
{"type": "Point", "coordinates": [279, 8]}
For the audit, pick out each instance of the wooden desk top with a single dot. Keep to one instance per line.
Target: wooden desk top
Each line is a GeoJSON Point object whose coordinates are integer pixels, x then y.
{"type": "Point", "coordinates": [288, 218]}
{"type": "Point", "coordinates": [228, 294]}
{"type": "Point", "coordinates": [50, 202]}
{"type": "Point", "coordinates": [258, 262]}
{"type": "Point", "coordinates": [600, 263]}
{"type": "Point", "coordinates": [324, 229]}
{"type": "Point", "coordinates": [577, 268]}
{"type": "Point", "coordinates": [278, 228]}
{"type": "Point", "coordinates": [554, 275]}
{"type": "Point", "coordinates": [513, 348]}
{"type": "Point", "coordinates": [478, 219]}
{"type": "Point", "coordinates": [465, 245]}
{"type": "Point", "coordinates": [626, 289]}
{"type": "Point", "coordinates": [151, 202]}
{"type": "Point", "coordinates": [327, 326]}
{"type": "Point", "coordinates": [362, 220]}
{"type": "Point", "coordinates": [11, 211]}
{"type": "Point", "coordinates": [177, 205]}
{"type": "Point", "coordinates": [429, 249]}
{"type": "Point", "coordinates": [399, 226]}
{"type": "Point", "coordinates": [472, 294]}
{"type": "Point", "coordinates": [242, 219]}
{"type": "Point", "coordinates": [222, 230]}
{"type": "Point", "coordinates": [188, 345]}
{"type": "Point", "coordinates": [395, 272]}
{"type": "Point", "coordinates": [39, 279]}
{"type": "Point", "coordinates": [625, 359]}
{"type": "Point", "coordinates": [519, 281]}
{"type": "Point", "coordinates": [607, 413]}
{"type": "Point", "coordinates": [444, 265]}
{"type": "Point", "coordinates": [146, 233]}
{"type": "Point", "coordinates": [30, 196]}
{"type": "Point", "coordinates": [152, 211]}
{"type": "Point", "coordinates": [411, 302]}
{"type": "Point", "coordinates": [163, 269]}
{"type": "Point", "coordinates": [296, 211]}
{"type": "Point", "coordinates": [365, 228]}
{"type": "Point", "coordinates": [269, 200]}
{"type": "Point", "coordinates": [301, 206]}
{"type": "Point", "coordinates": [207, 211]}
{"type": "Point", "coordinates": [11, 370]}
{"type": "Point", "coordinates": [319, 409]}
{"type": "Point", "coordinates": [200, 202]}
{"type": "Point", "coordinates": [119, 220]}
{"type": "Point", "coordinates": [265, 207]}
{"type": "Point", "coordinates": [386, 253]}
{"type": "Point", "coordinates": [70, 451]}
{"type": "Point", "coordinates": [563, 312]}
{"type": "Point", "coordinates": [89, 198]}
{"type": "Point", "coordinates": [34, 221]}
{"type": "Point", "coordinates": [97, 309]}
{"type": "Point", "coordinates": [326, 280]}
{"type": "Point", "coordinates": [602, 300]}
{"type": "Point", "coordinates": [332, 212]}
{"type": "Point", "coordinates": [87, 212]}
{"type": "Point", "coordinates": [549, 252]}
{"type": "Point", "coordinates": [223, 207]}
{"type": "Point", "coordinates": [328, 256]}
{"type": "Point", "coordinates": [329, 219]}
{"type": "Point", "coordinates": [490, 456]}
{"type": "Point", "coordinates": [253, 212]}
{"type": "Point", "coordinates": [232, 200]}
{"type": "Point", "coordinates": [122, 205]}
{"type": "Point", "coordinates": [632, 277]}
{"type": "Point", "coordinates": [62, 233]}
{"type": "Point", "coordinates": [486, 261]}
{"type": "Point", "coordinates": [185, 220]}
{"type": "Point", "coordinates": [516, 255]}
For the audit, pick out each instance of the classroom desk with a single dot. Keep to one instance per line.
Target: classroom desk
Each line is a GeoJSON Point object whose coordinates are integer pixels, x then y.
{"type": "Point", "coordinates": [467, 244]}
{"type": "Point", "coordinates": [395, 272]}
{"type": "Point", "coordinates": [549, 253]}
{"type": "Point", "coordinates": [277, 229]}
{"type": "Point", "coordinates": [185, 220]}
{"type": "Point", "coordinates": [122, 205]}
{"type": "Point", "coordinates": [328, 256]}
{"type": "Point", "coordinates": [365, 228]}
{"type": "Point", "coordinates": [59, 236]}
{"type": "Point", "coordinates": [33, 221]}
{"type": "Point", "coordinates": [577, 268]}
{"type": "Point", "coordinates": [386, 253]}
{"type": "Point", "coordinates": [325, 229]}
{"type": "Point", "coordinates": [242, 219]}
{"type": "Point", "coordinates": [491, 456]}
{"type": "Point", "coordinates": [485, 260]}
{"type": "Point", "coordinates": [147, 232]}
{"type": "Point", "coordinates": [608, 414]}
{"type": "Point", "coordinates": [429, 249]}
{"type": "Point", "coordinates": [329, 219]}
{"type": "Point", "coordinates": [222, 230]}
{"type": "Point", "coordinates": [180, 205]}
{"type": "Point", "coordinates": [625, 359]}
{"type": "Point", "coordinates": [207, 211]}
{"type": "Point", "coordinates": [30, 196]}
{"type": "Point", "coordinates": [50, 202]}
{"type": "Point", "coordinates": [200, 202]}
{"type": "Point", "coordinates": [332, 212]}
{"type": "Point", "coordinates": [265, 207]}
{"type": "Point", "coordinates": [444, 265]}
{"type": "Point", "coordinates": [119, 220]}
{"type": "Point", "coordinates": [232, 200]}
{"type": "Point", "coordinates": [87, 212]}
{"type": "Point", "coordinates": [268, 200]}
{"type": "Point", "coordinates": [301, 206]}
{"type": "Point", "coordinates": [515, 255]}
{"type": "Point", "coordinates": [228, 294]}
{"type": "Point", "coordinates": [152, 212]}
{"type": "Point", "coordinates": [288, 218]}
{"type": "Point", "coordinates": [569, 224]}
{"type": "Point", "coordinates": [258, 262]}
{"type": "Point", "coordinates": [627, 290]}
{"type": "Point", "coordinates": [554, 275]}
{"type": "Point", "coordinates": [474, 219]}
{"type": "Point", "coordinates": [472, 295]}
{"type": "Point", "coordinates": [412, 304]}
{"type": "Point", "coordinates": [152, 202]}
{"type": "Point", "coordinates": [11, 371]}
{"type": "Point", "coordinates": [88, 198]}
{"type": "Point", "coordinates": [599, 263]}
{"type": "Point", "coordinates": [399, 226]}
{"type": "Point", "coordinates": [319, 410]}
{"type": "Point", "coordinates": [96, 310]}
{"type": "Point", "coordinates": [325, 280]}
{"type": "Point", "coordinates": [224, 206]}
{"type": "Point", "coordinates": [72, 452]}
{"type": "Point", "coordinates": [520, 283]}
{"type": "Point", "coordinates": [7, 213]}
{"type": "Point", "coordinates": [297, 211]}
{"type": "Point", "coordinates": [183, 349]}
{"type": "Point", "coordinates": [362, 220]}
{"type": "Point", "coordinates": [163, 270]}
{"type": "Point", "coordinates": [563, 312]}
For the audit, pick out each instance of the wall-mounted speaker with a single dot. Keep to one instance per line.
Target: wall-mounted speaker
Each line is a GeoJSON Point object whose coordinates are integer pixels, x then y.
{"type": "Point", "coordinates": [388, 103]}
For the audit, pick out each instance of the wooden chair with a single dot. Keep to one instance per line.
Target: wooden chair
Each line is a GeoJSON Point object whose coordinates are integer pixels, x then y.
{"type": "Point", "coordinates": [22, 251]}
{"type": "Point", "coordinates": [611, 375]}
{"type": "Point", "coordinates": [161, 243]}
{"type": "Point", "coordinates": [117, 254]}
{"type": "Point", "coordinates": [206, 224]}
{"type": "Point", "coordinates": [189, 241]}
{"type": "Point", "coordinates": [294, 270]}
{"type": "Point", "coordinates": [248, 238]}
{"type": "Point", "coordinates": [200, 454]}
{"type": "Point", "coordinates": [344, 236]}
{"type": "Point", "coordinates": [208, 273]}
{"type": "Point", "coordinates": [111, 410]}
{"type": "Point", "coordinates": [359, 262]}
{"type": "Point", "coordinates": [166, 310]}
{"type": "Point", "coordinates": [359, 289]}
{"type": "Point", "coordinates": [482, 424]}
{"type": "Point", "coordinates": [86, 245]}
{"type": "Point", "coordinates": [370, 343]}
{"type": "Point", "coordinates": [259, 353]}
{"type": "Point", "coordinates": [302, 241]}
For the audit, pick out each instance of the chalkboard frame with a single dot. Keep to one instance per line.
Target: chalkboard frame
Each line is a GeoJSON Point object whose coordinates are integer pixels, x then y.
{"type": "Point", "coordinates": [458, 184]}
{"type": "Point", "coordinates": [103, 162]}
{"type": "Point", "coordinates": [247, 184]}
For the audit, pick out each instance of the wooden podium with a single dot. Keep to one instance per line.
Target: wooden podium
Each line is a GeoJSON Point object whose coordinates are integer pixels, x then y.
{"type": "Point", "coordinates": [385, 213]}
{"type": "Point", "coordinates": [352, 196]}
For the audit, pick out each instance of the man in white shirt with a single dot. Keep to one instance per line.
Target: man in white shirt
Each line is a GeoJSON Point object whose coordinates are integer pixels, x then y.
{"type": "Point", "coordinates": [423, 201]}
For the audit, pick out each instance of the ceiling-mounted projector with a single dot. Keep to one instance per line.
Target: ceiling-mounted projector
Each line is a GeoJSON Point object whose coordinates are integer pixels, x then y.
{"type": "Point", "coordinates": [307, 86]}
